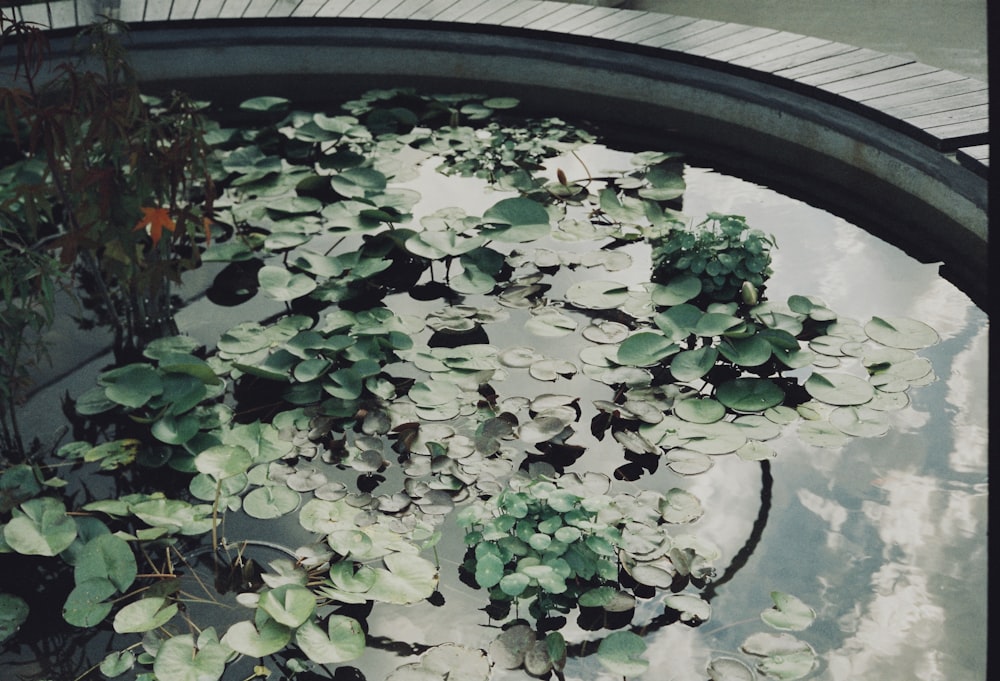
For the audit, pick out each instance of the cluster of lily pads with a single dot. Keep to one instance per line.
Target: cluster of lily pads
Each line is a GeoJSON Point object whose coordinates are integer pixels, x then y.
{"type": "Point", "coordinates": [377, 404]}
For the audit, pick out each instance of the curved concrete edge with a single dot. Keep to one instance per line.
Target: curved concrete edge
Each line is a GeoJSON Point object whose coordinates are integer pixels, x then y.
{"type": "Point", "coordinates": [860, 168]}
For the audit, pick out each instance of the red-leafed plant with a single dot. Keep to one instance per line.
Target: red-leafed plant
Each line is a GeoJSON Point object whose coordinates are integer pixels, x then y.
{"type": "Point", "coordinates": [102, 184]}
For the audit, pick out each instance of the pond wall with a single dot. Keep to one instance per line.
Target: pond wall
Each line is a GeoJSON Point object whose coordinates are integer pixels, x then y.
{"type": "Point", "coordinates": [836, 125]}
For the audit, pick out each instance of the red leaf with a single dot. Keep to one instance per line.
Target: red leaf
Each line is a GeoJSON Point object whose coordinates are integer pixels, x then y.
{"type": "Point", "coordinates": [157, 219]}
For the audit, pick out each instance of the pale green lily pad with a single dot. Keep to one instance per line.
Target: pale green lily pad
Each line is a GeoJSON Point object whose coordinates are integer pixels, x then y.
{"type": "Point", "coordinates": [692, 608]}
{"type": "Point", "coordinates": [13, 613]}
{"type": "Point", "coordinates": [789, 613]}
{"type": "Point", "coordinates": [699, 410]}
{"type": "Point", "coordinates": [343, 640]}
{"type": "Point", "coordinates": [117, 663]}
{"type": "Point", "coordinates": [645, 348]}
{"type": "Point", "coordinates": [862, 421]}
{"type": "Point", "coordinates": [106, 556]}
{"type": "Point", "coordinates": [259, 641]}
{"type": "Point", "coordinates": [145, 614]}
{"type": "Point", "coordinates": [901, 332]}
{"type": "Point", "coordinates": [40, 527]}
{"type": "Point", "coordinates": [785, 657]}
{"type": "Point", "coordinates": [750, 394]}
{"type": "Point", "coordinates": [690, 365]}
{"type": "Point", "coordinates": [597, 295]}
{"type": "Point", "coordinates": [272, 501]}
{"type": "Point", "coordinates": [839, 389]}
{"type": "Point", "coordinates": [288, 604]}
{"type": "Point", "coordinates": [620, 652]}
{"type": "Point", "coordinates": [729, 669]}
{"type": "Point", "coordinates": [181, 658]}
{"type": "Point", "coordinates": [280, 284]}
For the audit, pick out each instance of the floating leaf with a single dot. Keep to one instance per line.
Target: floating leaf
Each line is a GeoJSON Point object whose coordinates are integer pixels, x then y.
{"type": "Point", "coordinates": [699, 410]}
{"type": "Point", "coordinates": [271, 501]}
{"type": "Point", "coordinates": [839, 389]}
{"type": "Point", "coordinates": [750, 394]}
{"type": "Point", "coordinates": [901, 332]}
{"type": "Point", "coordinates": [516, 219]}
{"type": "Point", "coordinates": [117, 663]}
{"type": "Point", "coordinates": [692, 608]}
{"type": "Point", "coordinates": [289, 604]}
{"type": "Point", "coordinates": [280, 284]}
{"type": "Point", "coordinates": [86, 605]}
{"type": "Point", "coordinates": [13, 613]}
{"type": "Point", "coordinates": [145, 614]}
{"type": "Point", "coordinates": [132, 385]}
{"type": "Point", "coordinates": [620, 653]}
{"type": "Point", "coordinates": [789, 613]}
{"type": "Point", "coordinates": [223, 461]}
{"type": "Point", "coordinates": [40, 527]}
{"type": "Point", "coordinates": [407, 579]}
{"type": "Point", "coordinates": [785, 657]}
{"type": "Point", "coordinates": [106, 556]}
{"type": "Point", "coordinates": [261, 640]}
{"type": "Point", "coordinates": [728, 669]}
{"type": "Point", "coordinates": [342, 641]}
{"type": "Point", "coordinates": [180, 659]}
{"type": "Point", "coordinates": [645, 348]}
{"type": "Point", "coordinates": [690, 365]}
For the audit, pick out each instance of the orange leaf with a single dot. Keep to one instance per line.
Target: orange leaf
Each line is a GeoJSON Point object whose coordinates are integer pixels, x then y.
{"type": "Point", "coordinates": [156, 219]}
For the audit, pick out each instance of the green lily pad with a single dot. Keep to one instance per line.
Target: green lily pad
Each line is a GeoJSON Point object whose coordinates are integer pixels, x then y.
{"type": "Point", "coordinates": [13, 613]}
{"type": "Point", "coordinates": [106, 556]}
{"type": "Point", "coordinates": [271, 501]}
{"type": "Point", "coordinates": [144, 614]}
{"type": "Point", "coordinates": [288, 604]}
{"type": "Point", "coordinates": [690, 365]}
{"type": "Point", "coordinates": [901, 332]}
{"type": "Point", "coordinates": [40, 527]}
{"type": "Point", "coordinates": [700, 410]}
{"type": "Point", "coordinates": [645, 348]}
{"type": "Point", "coordinates": [343, 640]}
{"type": "Point", "coordinates": [180, 658]}
{"type": "Point", "coordinates": [132, 385]}
{"type": "Point", "coordinates": [620, 652]}
{"type": "Point", "coordinates": [280, 284]}
{"type": "Point", "coordinates": [789, 613]}
{"type": "Point", "coordinates": [839, 389]}
{"type": "Point", "coordinates": [516, 219]}
{"type": "Point", "coordinates": [86, 605]}
{"type": "Point", "coordinates": [257, 639]}
{"type": "Point", "coordinates": [750, 394]}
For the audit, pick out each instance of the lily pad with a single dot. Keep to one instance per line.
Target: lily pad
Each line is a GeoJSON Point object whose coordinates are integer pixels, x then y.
{"type": "Point", "coordinates": [789, 613]}
{"type": "Point", "coordinates": [13, 613]}
{"type": "Point", "coordinates": [901, 332]}
{"type": "Point", "coordinates": [620, 652]}
{"type": "Point", "coordinates": [839, 389]}
{"type": "Point", "coordinates": [750, 394]}
{"type": "Point", "coordinates": [343, 640]}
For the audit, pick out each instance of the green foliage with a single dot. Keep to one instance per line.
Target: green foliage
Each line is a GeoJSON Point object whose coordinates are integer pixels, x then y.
{"type": "Point", "coordinates": [723, 252]}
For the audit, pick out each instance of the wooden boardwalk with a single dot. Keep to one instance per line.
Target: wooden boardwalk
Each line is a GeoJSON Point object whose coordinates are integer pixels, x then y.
{"type": "Point", "coordinates": [945, 110]}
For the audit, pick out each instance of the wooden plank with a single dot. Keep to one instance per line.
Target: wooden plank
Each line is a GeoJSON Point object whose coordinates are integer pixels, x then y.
{"type": "Point", "coordinates": [761, 44]}
{"type": "Point", "coordinates": [457, 9]}
{"type": "Point", "coordinates": [63, 14]}
{"type": "Point", "coordinates": [233, 9]}
{"type": "Point", "coordinates": [747, 35]}
{"type": "Point", "coordinates": [938, 105]}
{"type": "Point", "coordinates": [593, 23]}
{"type": "Point", "coordinates": [282, 9]}
{"type": "Point", "coordinates": [431, 9]}
{"type": "Point", "coordinates": [183, 9]}
{"type": "Point", "coordinates": [381, 8]}
{"type": "Point", "coordinates": [209, 9]}
{"type": "Point", "coordinates": [949, 89]}
{"type": "Point", "coordinates": [686, 31]}
{"type": "Point", "coordinates": [307, 8]}
{"type": "Point", "coordinates": [795, 53]}
{"type": "Point", "coordinates": [555, 17]}
{"type": "Point", "coordinates": [585, 18]}
{"type": "Point", "coordinates": [644, 24]}
{"type": "Point", "coordinates": [954, 135]}
{"type": "Point", "coordinates": [979, 112]}
{"type": "Point", "coordinates": [505, 11]}
{"type": "Point", "coordinates": [539, 11]}
{"type": "Point", "coordinates": [35, 14]}
{"type": "Point", "coordinates": [257, 9]}
{"type": "Point", "coordinates": [332, 8]}
{"type": "Point", "coordinates": [132, 11]}
{"type": "Point", "coordinates": [356, 8]}
{"type": "Point", "coordinates": [975, 158]}
{"type": "Point", "coordinates": [655, 28]}
{"type": "Point", "coordinates": [157, 11]}
{"type": "Point", "coordinates": [886, 61]}
{"type": "Point", "coordinates": [884, 77]}
{"type": "Point", "coordinates": [478, 13]}
{"type": "Point", "coordinates": [705, 37]}
{"type": "Point", "coordinates": [907, 85]}
{"type": "Point", "coordinates": [839, 61]}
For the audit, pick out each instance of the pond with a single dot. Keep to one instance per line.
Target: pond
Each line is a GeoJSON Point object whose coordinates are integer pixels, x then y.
{"type": "Point", "coordinates": [445, 402]}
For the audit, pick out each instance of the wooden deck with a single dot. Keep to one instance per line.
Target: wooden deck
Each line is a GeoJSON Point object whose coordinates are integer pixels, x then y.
{"type": "Point", "coordinates": [945, 110]}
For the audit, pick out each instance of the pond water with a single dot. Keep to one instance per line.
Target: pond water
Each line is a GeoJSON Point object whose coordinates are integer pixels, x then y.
{"type": "Point", "coordinates": [884, 537]}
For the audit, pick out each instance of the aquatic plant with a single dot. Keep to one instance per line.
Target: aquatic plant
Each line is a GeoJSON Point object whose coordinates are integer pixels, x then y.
{"type": "Point", "coordinates": [373, 408]}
